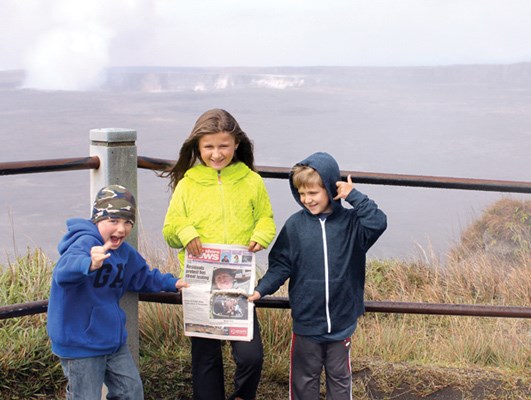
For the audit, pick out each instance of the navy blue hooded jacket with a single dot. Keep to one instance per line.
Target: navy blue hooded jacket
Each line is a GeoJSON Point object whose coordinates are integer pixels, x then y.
{"type": "Point", "coordinates": [324, 259]}
{"type": "Point", "coordinates": [84, 315]}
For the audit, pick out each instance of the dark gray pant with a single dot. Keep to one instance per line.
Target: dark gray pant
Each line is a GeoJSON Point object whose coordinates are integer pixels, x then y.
{"type": "Point", "coordinates": [307, 361]}
{"type": "Point", "coordinates": [207, 367]}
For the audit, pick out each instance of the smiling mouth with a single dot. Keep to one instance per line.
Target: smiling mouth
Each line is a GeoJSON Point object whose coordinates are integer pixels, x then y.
{"type": "Point", "coordinates": [115, 240]}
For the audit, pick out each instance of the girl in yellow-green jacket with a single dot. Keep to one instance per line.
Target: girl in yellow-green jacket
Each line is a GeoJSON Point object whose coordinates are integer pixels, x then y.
{"type": "Point", "coordinates": [219, 198]}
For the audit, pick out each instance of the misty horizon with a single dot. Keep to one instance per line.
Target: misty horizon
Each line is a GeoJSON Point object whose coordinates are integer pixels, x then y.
{"type": "Point", "coordinates": [161, 78]}
{"type": "Point", "coordinates": [458, 122]}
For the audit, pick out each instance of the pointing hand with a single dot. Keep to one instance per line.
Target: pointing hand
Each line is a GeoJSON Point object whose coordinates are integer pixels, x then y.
{"type": "Point", "coordinates": [98, 254]}
{"type": "Point", "coordinates": [344, 188]}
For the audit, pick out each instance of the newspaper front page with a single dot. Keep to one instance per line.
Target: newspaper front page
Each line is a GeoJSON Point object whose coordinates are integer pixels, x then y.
{"type": "Point", "coordinates": [215, 305]}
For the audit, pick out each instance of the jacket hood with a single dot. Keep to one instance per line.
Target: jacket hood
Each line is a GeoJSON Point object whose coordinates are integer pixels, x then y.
{"type": "Point", "coordinates": [327, 167]}
{"type": "Point", "coordinates": [77, 228]}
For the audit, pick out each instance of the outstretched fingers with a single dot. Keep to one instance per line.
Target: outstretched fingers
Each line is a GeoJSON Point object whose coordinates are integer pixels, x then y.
{"type": "Point", "coordinates": [344, 188]}
{"type": "Point", "coordinates": [349, 179]}
{"type": "Point", "coordinates": [98, 254]}
{"type": "Point", "coordinates": [107, 246]}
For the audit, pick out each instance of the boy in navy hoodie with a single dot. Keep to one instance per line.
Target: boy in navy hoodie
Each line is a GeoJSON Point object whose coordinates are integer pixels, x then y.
{"type": "Point", "coordinates": [321, 249]}
{"type": "Point", "coordinates": [85, 322]}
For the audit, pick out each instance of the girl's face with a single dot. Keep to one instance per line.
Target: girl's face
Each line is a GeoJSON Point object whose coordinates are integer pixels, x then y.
{"type": "Point", "coordinates": [217, 149]}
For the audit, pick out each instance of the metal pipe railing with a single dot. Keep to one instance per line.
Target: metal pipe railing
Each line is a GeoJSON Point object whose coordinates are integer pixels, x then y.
{"type": "Point", "coordinates": [440, 182]}
{"type": "Point", "coordinates": [389, 307]}
{"type": "Point", "coordinates": [22, 309]}
{"type": "Point", "coordinates": [54, 165]}
{"type": "Point", "coordinates": [69, 164]}
{"type": "Point", "coordinates": [158, 164]}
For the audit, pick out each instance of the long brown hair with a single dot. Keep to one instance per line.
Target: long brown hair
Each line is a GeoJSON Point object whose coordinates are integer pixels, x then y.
{"type": "Point", "coordinates": [211, 121]}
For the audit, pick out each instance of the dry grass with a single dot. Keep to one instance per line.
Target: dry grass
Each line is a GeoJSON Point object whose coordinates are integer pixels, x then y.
{"type": "Point", "coordinates": [504, 230]}
{"type": "Point", "coordinates": [398, 354]}
{"type": "Point", "coordinates": [393, 355]}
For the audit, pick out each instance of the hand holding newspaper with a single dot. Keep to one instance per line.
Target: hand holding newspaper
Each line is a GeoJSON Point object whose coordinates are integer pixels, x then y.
{"type": "Point", "coordinates": [215, 305]}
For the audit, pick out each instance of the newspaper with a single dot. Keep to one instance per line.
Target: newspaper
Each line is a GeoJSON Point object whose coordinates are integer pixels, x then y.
{"type": "Point", "coordinates": [215, 305]}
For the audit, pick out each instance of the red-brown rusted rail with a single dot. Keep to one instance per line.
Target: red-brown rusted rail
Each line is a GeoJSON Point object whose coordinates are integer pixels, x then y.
{"type": "Point", "coordinates": [59, 164]}
{"type": "Point", "coordinates": [380, 178]}
{"type": "Point", "coordinates": [392, 307]}
{"type": "Point", "coordinates": [69, 164]}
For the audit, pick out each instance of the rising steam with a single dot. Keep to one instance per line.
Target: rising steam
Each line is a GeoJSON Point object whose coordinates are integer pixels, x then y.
{"type": "Point", "coordinates": [73, 50]}
{"type": "Point", "coordinates": [69, 59]}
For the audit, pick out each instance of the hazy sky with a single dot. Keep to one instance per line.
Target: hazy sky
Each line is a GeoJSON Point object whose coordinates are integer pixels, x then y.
{"type": "Point", "coordinates": [62, 37]}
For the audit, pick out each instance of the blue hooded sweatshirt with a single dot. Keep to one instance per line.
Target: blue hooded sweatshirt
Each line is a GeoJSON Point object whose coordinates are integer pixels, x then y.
{"type": "Point", "coordinates": [84, 315]}
{"type": "Point", "coordinates": [324, 258]}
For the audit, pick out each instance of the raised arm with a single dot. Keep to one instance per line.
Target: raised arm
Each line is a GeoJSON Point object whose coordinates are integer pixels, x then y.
{"type": "Point", "coordinates": [372, 221]}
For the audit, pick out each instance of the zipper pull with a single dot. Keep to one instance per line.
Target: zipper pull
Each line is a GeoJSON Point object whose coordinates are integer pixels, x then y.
{"type": "Point", "coordinates": [219, 177]}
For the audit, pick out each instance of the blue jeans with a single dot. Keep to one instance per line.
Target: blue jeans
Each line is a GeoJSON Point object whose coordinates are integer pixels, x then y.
{"type": "Point", "coordinates": [118, 371]}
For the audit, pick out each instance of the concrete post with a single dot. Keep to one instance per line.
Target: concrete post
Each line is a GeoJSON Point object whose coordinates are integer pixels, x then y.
{"type": "Point", "coordinates": [117, 152]}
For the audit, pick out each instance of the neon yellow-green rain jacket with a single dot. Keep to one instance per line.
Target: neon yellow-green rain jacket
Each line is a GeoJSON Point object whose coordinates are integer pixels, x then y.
{"type": "Point", "coordinates": [230, 206]}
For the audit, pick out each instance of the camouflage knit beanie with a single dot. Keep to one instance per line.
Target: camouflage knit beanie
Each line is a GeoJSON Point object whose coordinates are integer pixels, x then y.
{"type": "Point", "coordinates": [114, 201]}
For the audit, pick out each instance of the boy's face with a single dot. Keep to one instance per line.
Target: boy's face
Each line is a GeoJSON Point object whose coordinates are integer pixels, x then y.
{"type": "Point", "coordinates": [217, 149]}
{"type": "Point", "coordinates": [315, 199]}
{"type": "Point", "coordinates": [114, 230]}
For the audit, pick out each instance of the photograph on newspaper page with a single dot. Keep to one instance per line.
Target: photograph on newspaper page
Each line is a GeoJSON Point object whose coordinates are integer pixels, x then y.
{"type": "Point", "coordinates": [215, 305]}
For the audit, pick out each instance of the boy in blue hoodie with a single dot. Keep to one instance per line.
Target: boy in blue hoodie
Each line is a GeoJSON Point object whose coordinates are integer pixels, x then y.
{"type": "Point", "coordinates": [85, 322]}
{"type": "Point", "coordinates": [322, 249]}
